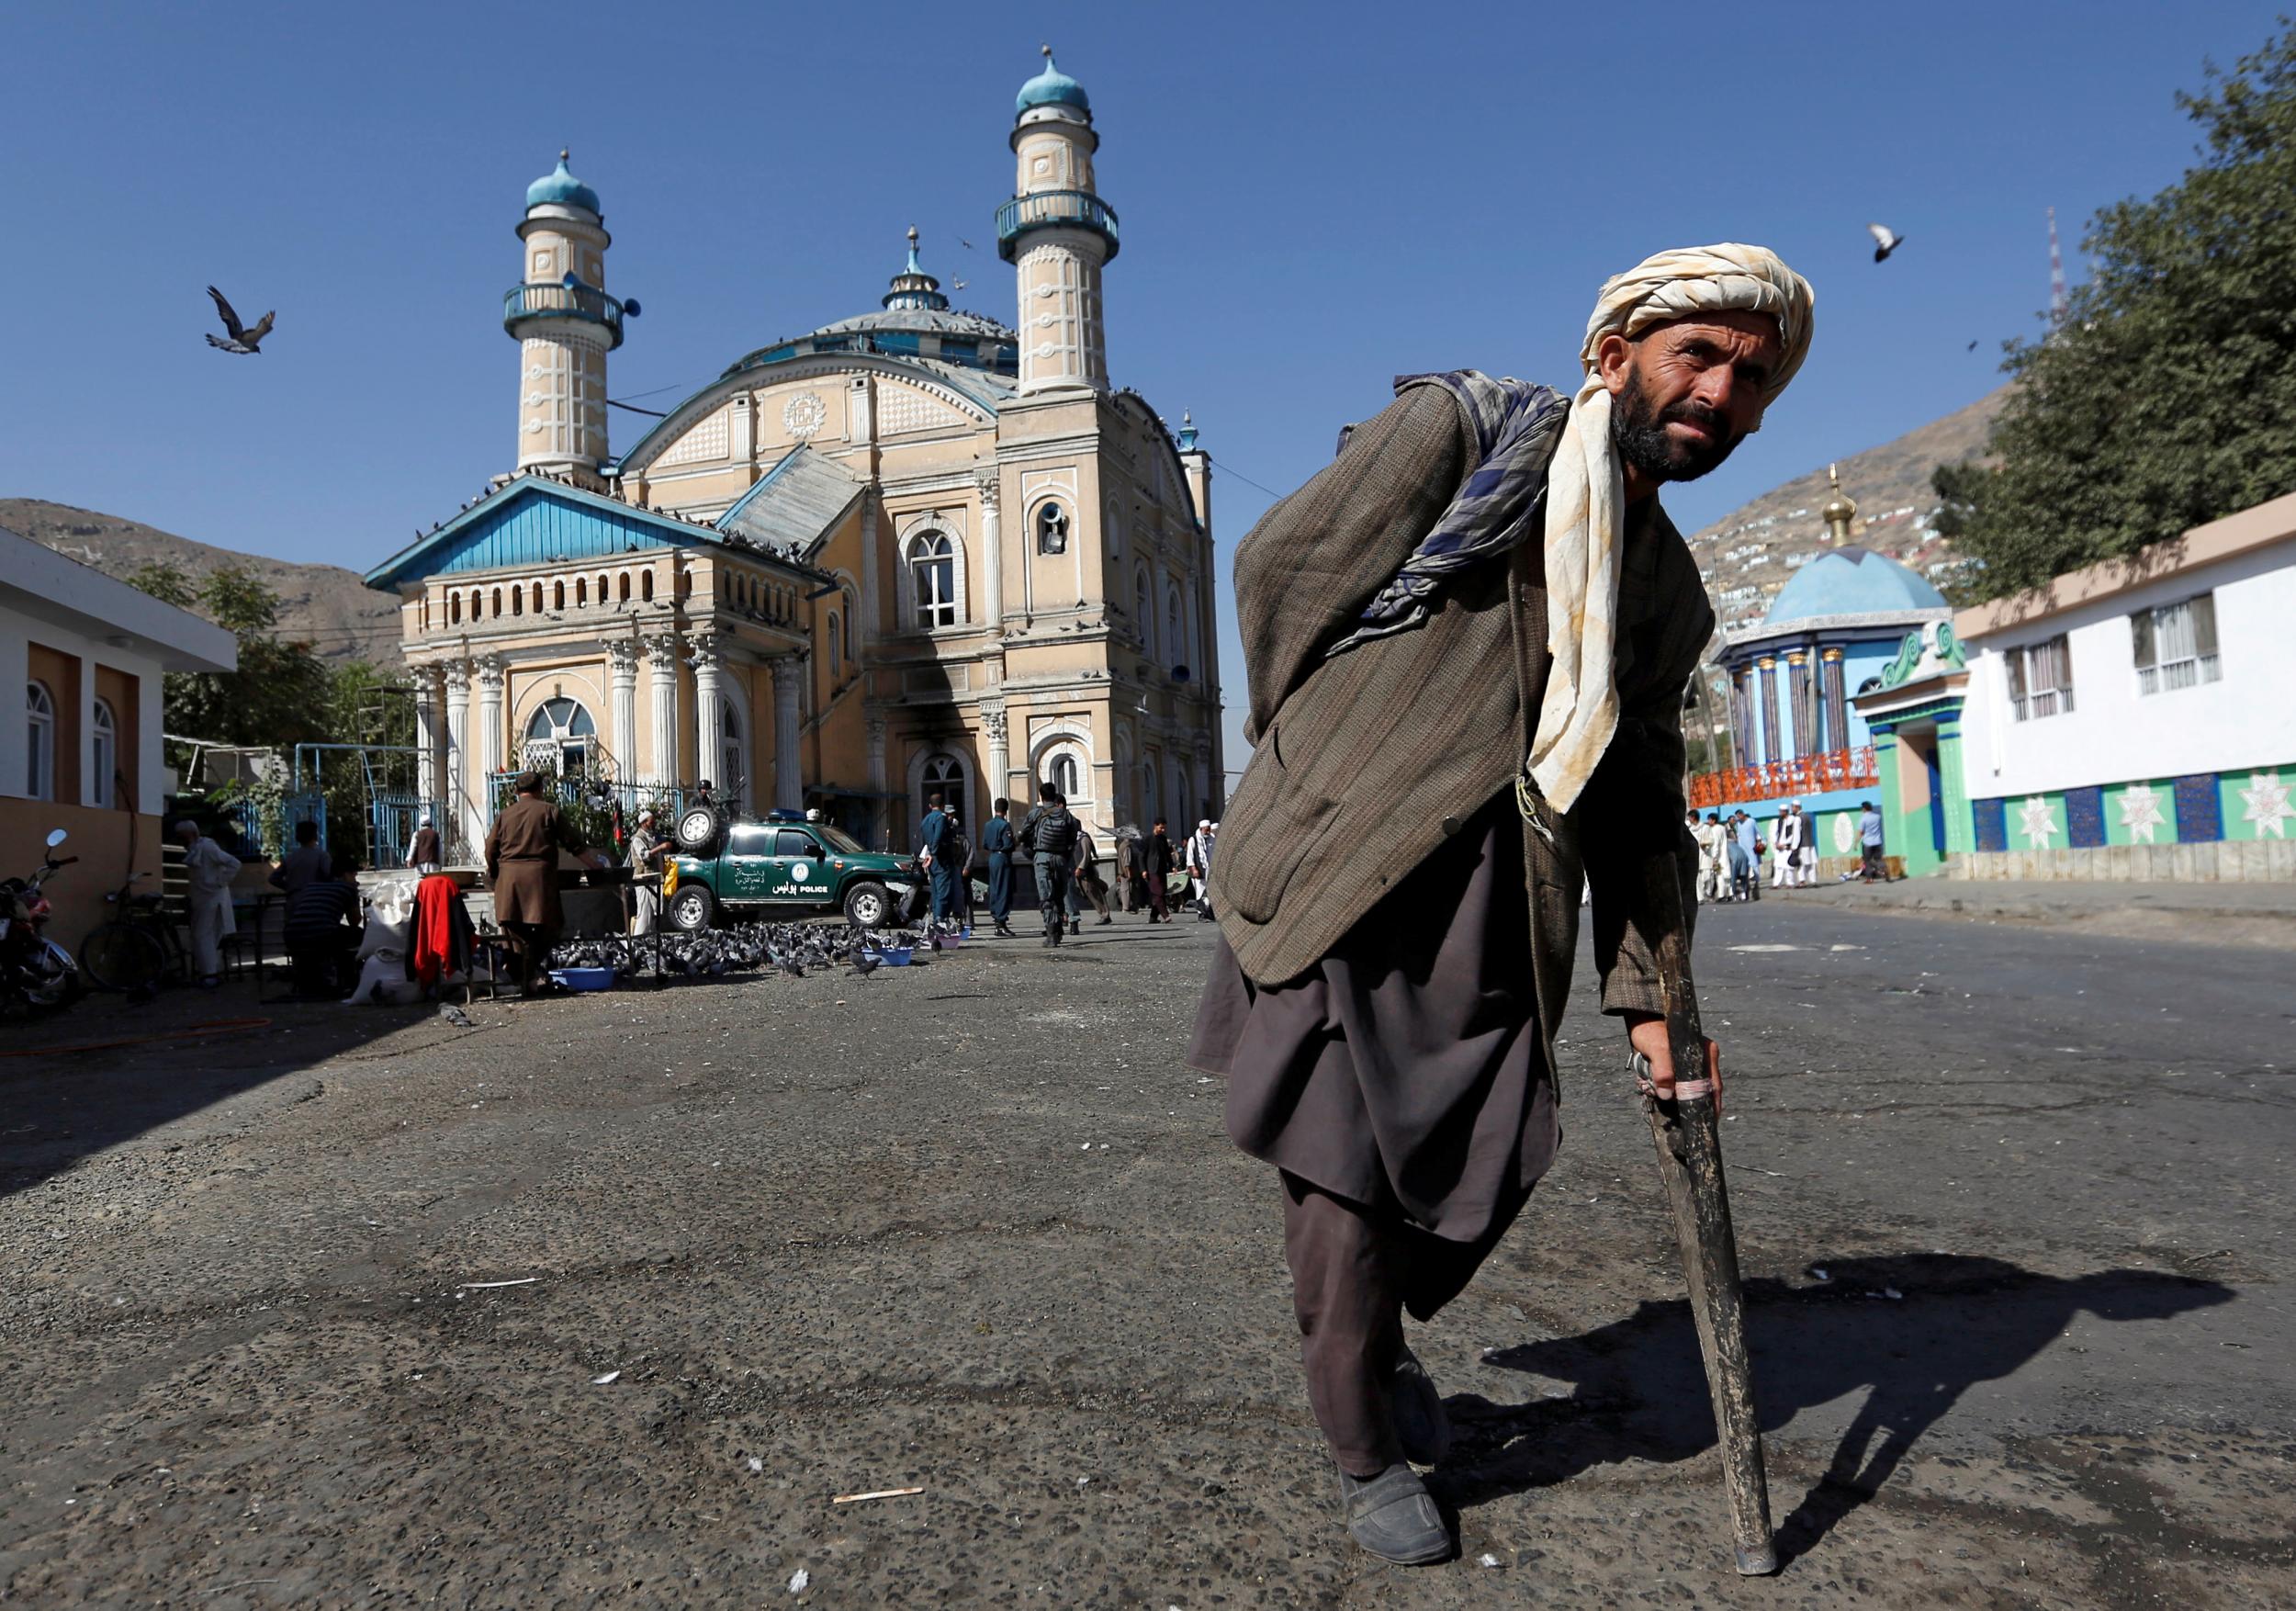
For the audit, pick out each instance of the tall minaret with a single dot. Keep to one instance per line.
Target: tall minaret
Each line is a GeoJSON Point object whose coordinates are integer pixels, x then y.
{"type": "Point", "coordinates": [1058, 233]}
{"type": "Point", "coordinates": [565, 324]}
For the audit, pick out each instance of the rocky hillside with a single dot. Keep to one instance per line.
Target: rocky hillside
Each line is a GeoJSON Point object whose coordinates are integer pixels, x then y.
{"type": "Point", "coordinates": [1747, 555]}
{"type": "Point", "coordinates": [322, 603]}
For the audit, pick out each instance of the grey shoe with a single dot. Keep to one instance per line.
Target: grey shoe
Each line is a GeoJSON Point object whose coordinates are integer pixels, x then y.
{"type": "Point", "coordinates": [1392, 1515]}
{"type": "Point", "coordinates": [1421, 1426]}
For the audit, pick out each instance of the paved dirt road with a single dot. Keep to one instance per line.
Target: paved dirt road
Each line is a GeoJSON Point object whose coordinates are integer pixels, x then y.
{"type": "Point", "coordinates": [976, 1229]}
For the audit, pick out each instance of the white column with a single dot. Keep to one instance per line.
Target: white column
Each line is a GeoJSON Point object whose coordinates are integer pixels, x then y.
{"type": "Point", "coordinates": [992, 557]}
{"type": "Point", "coordinates": [493, 748]}
{"type": "Point", "coordinates": [661, 672]}
{"type": "Point", "coordinates": [996, 729]}
{"type": "Point", "coordinates": [709, 715]}
{"type": "Point", "coordinates": [789, 780]}
{"type": "Point", "coordinates": [429, 731]}
{"type": "Point", "coordinates": [869, 613]}
{"type": "Point", "coordinates": [622, 667]}
{"type": "Point", "coordinates": [468, 815]}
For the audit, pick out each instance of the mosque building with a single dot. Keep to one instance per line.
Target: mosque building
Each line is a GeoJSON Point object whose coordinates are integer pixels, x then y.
{"type": "Point", "coordinates": [1796, 730]}
{"type": "Point", "coordinates": [912, 551]}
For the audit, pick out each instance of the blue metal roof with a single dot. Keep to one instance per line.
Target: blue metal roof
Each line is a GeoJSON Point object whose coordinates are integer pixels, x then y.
{"type": "Point", "coordinates": [797, 504]}
{"type": "Point", "coordinates": [536, 520]}
{"type": "Point", "coordinates": [1850, 582]}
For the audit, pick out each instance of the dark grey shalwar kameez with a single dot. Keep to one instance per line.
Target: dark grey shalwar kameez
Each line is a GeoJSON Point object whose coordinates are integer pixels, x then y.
{"type": "Point", "coordinates": [1401, 1089]}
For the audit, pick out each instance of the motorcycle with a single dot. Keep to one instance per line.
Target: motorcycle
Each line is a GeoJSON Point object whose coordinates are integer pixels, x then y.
{"type": "Point", "coordinates": [34, 969]}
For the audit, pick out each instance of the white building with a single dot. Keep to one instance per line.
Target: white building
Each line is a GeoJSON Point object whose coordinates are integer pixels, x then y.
{"type": "Point", "coordinates": [88, 652]}
{"type": "Point", "coordinates": [2147, 701]}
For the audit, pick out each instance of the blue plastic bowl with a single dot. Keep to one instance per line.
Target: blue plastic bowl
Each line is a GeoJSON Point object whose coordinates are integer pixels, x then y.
{"type": "Point", "coordinates": [898, 956]}
{"type": "Point", "coordinates": [584, 978]}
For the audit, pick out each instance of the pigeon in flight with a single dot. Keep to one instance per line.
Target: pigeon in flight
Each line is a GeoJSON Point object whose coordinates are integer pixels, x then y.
{"type": "Point", "coordinates": [1886, 240]}
{"type": "Point", "coordinates": [1973, 347]}
{"type": "Point", "coordinates": [242, 338]}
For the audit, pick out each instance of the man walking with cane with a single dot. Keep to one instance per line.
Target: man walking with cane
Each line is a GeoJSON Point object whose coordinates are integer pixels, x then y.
{"type": "Point", "coordinates": [1469, 642]}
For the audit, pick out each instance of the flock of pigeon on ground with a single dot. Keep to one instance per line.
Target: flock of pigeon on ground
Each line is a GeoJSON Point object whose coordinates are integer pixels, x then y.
{"type": "Point", "coordinates": [796, 948]}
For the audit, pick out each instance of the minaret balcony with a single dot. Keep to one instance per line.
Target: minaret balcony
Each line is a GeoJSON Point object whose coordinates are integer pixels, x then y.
{"type": "Point", "coordinates": [1052, 209]}
{"type": "Point", "coordinates": [585, 303]}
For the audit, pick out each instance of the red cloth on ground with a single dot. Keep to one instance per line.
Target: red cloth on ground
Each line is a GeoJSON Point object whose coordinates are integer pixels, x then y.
{"type": "Point", "coordinates": [443, 936]}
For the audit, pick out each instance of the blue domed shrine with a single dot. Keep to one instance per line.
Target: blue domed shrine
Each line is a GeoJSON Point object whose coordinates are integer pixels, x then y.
{"type": "Point", "coordinates": [1794, 731]}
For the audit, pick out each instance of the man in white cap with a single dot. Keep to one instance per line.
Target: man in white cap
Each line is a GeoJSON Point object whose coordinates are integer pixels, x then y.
{"type": "Point", "coordinates": [1785, 850]}
{"type": "Point", "coordinates": [1468, 641]}
{"type": "Point", "coordinates": [1196, 857]}
{"type": "Point", "coordinates": [425, 855]}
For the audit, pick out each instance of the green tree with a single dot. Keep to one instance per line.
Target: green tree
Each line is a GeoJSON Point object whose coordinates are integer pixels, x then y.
{"type": "Point", "coordinates": [2166, 396]}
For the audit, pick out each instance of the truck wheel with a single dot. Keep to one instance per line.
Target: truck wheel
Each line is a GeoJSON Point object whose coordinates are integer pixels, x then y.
{"type": "Point", "coordinates": [868, 905]}
{"type": "Point", "coordinates": [693, 908]}
{"type": "Point", "coordinates": [696, 831]}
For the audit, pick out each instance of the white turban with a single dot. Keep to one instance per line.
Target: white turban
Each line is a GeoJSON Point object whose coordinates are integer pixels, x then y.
{"type": "Point", "coordinates": [1586, 488]}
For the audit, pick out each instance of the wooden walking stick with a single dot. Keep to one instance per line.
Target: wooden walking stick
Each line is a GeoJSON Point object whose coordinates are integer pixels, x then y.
{"type": "Point", "coordinates": [1687, 1129]}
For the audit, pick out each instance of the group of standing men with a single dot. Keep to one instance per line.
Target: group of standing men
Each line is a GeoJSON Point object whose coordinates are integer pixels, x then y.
{"type": "Point", "coordinates": [1730, 852]}
{"type": "Point", "coordinates": [1057, 846]}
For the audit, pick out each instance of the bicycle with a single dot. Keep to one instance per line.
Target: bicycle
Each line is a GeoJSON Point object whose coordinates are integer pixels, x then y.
{"type": "Point", "coordinates": [138, 951]}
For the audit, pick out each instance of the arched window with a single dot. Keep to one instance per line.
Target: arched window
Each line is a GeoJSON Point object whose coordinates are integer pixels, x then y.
{"type": "Point", "coordinates": [1051, 528]}
{"type": "Point", "coordinates": [836, 643]}
{"type": "Point", "coordinates": [518, 600]}
{"type": "Point", "coordinates": [559, 736]}
{"type": "Point", "coordinates": [40, 709]}
{"type": "Point", "coordinates": [106, 734]}
{"type": "Point", "coordinates": [943, 774]}
{"type": "Point", "coordinates": [645, 586]}
{"type": "Point", "coordinates": [1063, 776]}
{"type": "Point", "coordinates": [1112, 531]}
{"type": "Point", "coordinates": [852, 625]}
{"type": "Point", "coordinates": [933, 579]}
{"type": "Point", "coordinates": [624, 588]}
{"type": "Point", "coordinates": [497, 604]}
{"type": "Point", "coordinates": [1174, 626]}
{"type": "Point", "coordinates": [538, 598]}
{"type": "Point", "coordinates": [581, 590]}
{"type": "Point", "coordinates": [453, 609]}
{"type": "Point", "coordinates": [1145, 609]}
{"type": "Point", "coordinates": [605, 589]}
{"type": "Point", "coordinates": [557, 595]}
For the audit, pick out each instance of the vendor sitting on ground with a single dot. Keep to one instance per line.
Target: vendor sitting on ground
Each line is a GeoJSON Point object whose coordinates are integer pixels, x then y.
{"type": "Point", "coordinates": [323, 929]}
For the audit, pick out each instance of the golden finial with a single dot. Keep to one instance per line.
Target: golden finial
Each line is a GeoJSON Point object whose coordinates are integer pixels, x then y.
{"type": "Point", "coordinates": [1839, 510]}
{"type": "Point", "coordinates": [564, 154]}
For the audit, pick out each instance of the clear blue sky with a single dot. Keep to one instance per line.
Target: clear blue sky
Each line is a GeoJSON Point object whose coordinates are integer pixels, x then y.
{"type": "Point", "coordinates": [1314, 197]}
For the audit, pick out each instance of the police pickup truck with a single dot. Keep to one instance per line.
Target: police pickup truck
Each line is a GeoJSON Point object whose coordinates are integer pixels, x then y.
{"type": "Point", "coordinates": [752, 869]}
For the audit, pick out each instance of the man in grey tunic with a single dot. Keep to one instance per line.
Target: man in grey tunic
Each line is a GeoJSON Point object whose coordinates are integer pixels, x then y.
{"type": "Point", "coordinates": [1468, 640]}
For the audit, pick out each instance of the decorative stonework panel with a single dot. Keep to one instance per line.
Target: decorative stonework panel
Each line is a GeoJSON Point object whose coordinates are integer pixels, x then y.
{"type": "Point", "coordinates": [900, 409]}
{"type": "Point", "coordinates": [708, 440]}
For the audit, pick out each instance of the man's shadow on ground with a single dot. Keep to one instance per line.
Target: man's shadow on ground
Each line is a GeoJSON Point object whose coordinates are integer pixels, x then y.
{"type": "Point", "coordinates": [1641, 1391]}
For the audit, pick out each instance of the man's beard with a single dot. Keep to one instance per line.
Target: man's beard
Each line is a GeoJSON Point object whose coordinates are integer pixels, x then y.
{"type": "Point", "coordinates": [1638, 431]}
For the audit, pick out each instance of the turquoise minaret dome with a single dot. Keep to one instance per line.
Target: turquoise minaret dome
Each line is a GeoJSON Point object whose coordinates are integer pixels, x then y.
{"type": "Point", "coordinates": [1052, 87]}
{"type": "Point", "coordinates": [561, 188]}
